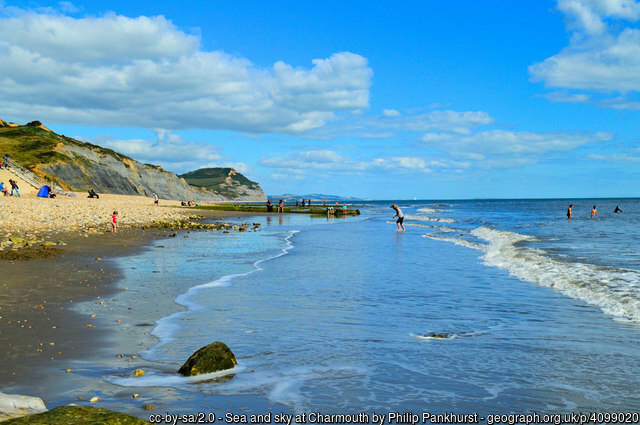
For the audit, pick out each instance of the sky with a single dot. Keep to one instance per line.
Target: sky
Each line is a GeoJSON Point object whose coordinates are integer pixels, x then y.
{"type": "Point", "coordinates": [428, 99]}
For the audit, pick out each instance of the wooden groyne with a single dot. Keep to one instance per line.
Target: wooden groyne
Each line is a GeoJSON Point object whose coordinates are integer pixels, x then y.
{"type": "Point", "coordinates": [324, 210]}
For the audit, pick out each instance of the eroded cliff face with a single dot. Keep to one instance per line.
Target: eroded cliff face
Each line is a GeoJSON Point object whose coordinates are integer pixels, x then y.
{"type": "Point", "coordinates": [103, 172]}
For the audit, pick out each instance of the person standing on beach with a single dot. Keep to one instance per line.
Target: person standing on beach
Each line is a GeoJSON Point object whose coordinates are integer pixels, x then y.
{"type": "Point", "coordinates": [400, 220]}
{"type": "Point", "coordinates": [569, 212]}
{"type": "Point", "coordinates": [14, 186]}
{"type": "Point", "coordinates": [114, 222]}
{"type": "Point", "coordinates": [281, 206]}
{"type": "Point", "coordinates": [594, 212]}
{"type": "Point", "coordinates": [155, 199]}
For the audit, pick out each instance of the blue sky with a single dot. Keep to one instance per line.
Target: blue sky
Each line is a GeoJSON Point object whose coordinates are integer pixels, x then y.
{"type": "Point", "coordinates": [424, 99]}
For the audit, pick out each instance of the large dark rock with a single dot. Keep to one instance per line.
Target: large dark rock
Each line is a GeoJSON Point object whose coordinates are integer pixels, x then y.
{"type": "Point", "coordinates": [77, 415]}
{"type": "Point", "coordinates": [210, 358]}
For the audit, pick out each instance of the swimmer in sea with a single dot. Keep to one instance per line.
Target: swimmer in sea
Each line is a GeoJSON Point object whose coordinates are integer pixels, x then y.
{"type": "Point", "coordinates": [594, 212]}
{"type": "Point", "coordinates": [617, 210]}
{"type": "Point", "coordinates": [569, 212]}
{"type": "Point", "coordinates": [400, 216]}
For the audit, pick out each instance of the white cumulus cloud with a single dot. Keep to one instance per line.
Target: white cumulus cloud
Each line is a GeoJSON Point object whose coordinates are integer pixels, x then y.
{"type": "Point", "coordinates": [171, 152]}
{"type": "Point", "coordinates": [114, 70]}
{"type": "Point", "coordinates": [603, 54]}
{"type": "Point", "coordinates": [510, 143]}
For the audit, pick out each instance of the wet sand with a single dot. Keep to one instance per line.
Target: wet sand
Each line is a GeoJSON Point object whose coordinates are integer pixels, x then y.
{"type": "Point", "coordinates": [41, 335]}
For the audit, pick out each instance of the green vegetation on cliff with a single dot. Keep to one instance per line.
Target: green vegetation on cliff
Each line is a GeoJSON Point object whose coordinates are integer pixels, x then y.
{"type": "Point", "coordinates": [224, 181]}
{"type": "Point", "coordinates": [77, 415]}
{"type": "Point", "coordinates": [80, 166]}
{"type": "Point", "coordinates": [31, 145]}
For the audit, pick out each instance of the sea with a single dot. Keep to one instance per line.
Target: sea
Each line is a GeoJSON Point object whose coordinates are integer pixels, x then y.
{"type": "Point", "coordinates": [487, 307]}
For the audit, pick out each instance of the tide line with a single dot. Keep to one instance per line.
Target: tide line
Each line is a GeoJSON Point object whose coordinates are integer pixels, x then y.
{"type": "Point", "coordinates": [167, 326]}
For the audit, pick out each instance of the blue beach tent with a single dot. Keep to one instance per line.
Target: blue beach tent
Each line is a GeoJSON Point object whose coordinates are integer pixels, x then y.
{"type": "Point", "coordinates": [44, 191]}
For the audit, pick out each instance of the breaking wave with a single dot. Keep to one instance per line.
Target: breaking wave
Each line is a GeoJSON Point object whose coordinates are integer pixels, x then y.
{"type": "Point", "coordinates": [615, 291]}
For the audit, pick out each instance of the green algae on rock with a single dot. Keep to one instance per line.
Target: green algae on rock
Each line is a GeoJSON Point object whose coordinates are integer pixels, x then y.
{"type": "Point", "coordinates": [77, 415]}
{"type": "Point", "coordinates": [208, 359]}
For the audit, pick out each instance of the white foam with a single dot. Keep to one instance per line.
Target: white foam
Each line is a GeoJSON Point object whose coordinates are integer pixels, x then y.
{"type": "Point", "coordinates": [457, 241]}
{"type": "Point", "coordinates": [159, 379]}
{"type": "Point", "coordinates": [167, 326]}
{"type": "Point", "coordinates": [615, 291]}
{"type": "Point", "coordinates": [434, 338]}
{"type": "Point", "coordinates": [415, 224]}
{"type": "Point", "coordinates": [421, 217]}
{"type": "Point", "coordinates": [445, 229]}
{"type": "Point", "coordinates": [284, 386]}
{"type": "Point", "coordinates": [427, 210]}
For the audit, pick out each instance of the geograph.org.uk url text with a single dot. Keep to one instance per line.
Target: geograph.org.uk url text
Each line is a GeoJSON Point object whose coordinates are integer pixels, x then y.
{"type": "Point", "coordinates": [397, 418]}
{"type": "Point", "coordinates": [563, 418]}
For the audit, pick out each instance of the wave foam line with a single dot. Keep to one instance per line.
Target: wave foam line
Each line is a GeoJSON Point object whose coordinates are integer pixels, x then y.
{"type": "Point", "coordinates": [162, 379]}
{"type": "Point", "coordinates": [421, 217]}
{"type": "Point", "coordinates": [457, 241]}
{"type": "Point", "coordinates": [427, 210]}
{"type": "Point", "coordinates": [167, 326]}
{"type": "Point", "coordinates": [615, 291]}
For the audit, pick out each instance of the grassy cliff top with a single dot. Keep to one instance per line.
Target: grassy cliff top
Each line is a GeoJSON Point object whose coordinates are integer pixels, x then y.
{"type": "Point", "coordinates": [213, 178]}
{"type": "Point", "coordinates": [34, 144]}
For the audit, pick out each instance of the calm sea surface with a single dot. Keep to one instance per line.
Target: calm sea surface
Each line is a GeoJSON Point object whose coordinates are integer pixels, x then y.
{"type": "Point", "coordinates": [480, 306]}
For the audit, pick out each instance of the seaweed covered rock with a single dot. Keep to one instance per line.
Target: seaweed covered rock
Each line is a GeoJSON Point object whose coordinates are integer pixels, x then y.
{"type": "Point", "coordinates": [210, 358]}
{"type": "Point", "coordinates": [72, 415]}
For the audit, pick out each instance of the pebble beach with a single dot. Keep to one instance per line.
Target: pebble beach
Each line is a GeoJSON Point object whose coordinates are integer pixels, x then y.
{"type": "Point", "coordinates": [56, 253]}
{"type": "Point", "coordinates": [32, 216]}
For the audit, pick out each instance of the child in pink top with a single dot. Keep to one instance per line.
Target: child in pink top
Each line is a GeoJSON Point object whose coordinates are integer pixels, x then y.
{"type": "Point", "coordinates": [114, 222]}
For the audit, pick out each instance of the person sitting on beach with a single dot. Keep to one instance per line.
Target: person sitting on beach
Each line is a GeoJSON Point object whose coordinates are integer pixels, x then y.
{"type": "Point", "coordinates": [114, 222]}
{"type": "Point", "coordinates": [569, 212]}
{"type": "Point", "coordinates": [617, 210]}
{"type": "Point", "coordinates": [281, 206]}
{"type": "Point", "coordinates": [594, 212]}
{"type": "Point", "coordinates": [93, 194]}
{"type": "Point", "coordinates": [3, 189]}
{"type": "Point", "coordinates": [14, 187]}
{"type": "Point", "coordinates": [400, 221]}
{"type": "Point", "coordinates": [184, 204]}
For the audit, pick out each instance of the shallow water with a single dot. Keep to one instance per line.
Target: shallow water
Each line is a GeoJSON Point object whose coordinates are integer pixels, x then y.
{"type": "Point", "coordinates": [481, 306]}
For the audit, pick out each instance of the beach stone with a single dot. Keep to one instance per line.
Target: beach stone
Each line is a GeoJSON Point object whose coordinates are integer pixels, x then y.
{"type": "Point", "coordinates": [77, 415]}
{"type": "Point", "coordinates": [210, 358]}
{"type": "Point", "coordinates": [138, 372]}
{"type": "Point", "coordinates": [13, 406]}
